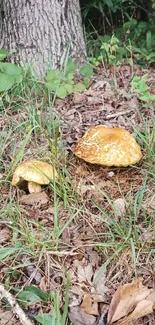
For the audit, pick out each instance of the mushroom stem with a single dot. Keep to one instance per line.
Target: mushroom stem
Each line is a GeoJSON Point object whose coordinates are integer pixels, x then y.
{"type": "Point", "coordinates": [34, 187]}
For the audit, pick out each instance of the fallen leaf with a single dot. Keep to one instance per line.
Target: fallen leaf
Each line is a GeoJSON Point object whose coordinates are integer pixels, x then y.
{"type": "Point", "coordinates": [75, 295]}
{"type": "Point", "coordinates": [79, 99]}
{"type": "Point", "coordinates": [93, 257]}
{"type": "Point", "coordinates": [89, 305]}
{"type": "Point", "coordinates": [35, 199]}
{"type": "Point", "coordinates": [84, 273]}
{"type": "Point", "coordinates": [99, 285]}
{"type": "Point", "coordinates": [120, 205]}
{"type": "Point", "coordinates": [81, 170]}
{"type": "Point", "coordinates": [151, 296]}
{"type": "Point", "coordinates": [82, 189]}
{"type": "Point", "coordinates": [142, 309]}
{"type": "Point", "coordinates": [79, 317]}
{"type": "Point", "coordinates": [5, 234]}
{"type": "Point", "coordinates": [126, 298]}
{"type": "Point", "coordinates": [31, 269]}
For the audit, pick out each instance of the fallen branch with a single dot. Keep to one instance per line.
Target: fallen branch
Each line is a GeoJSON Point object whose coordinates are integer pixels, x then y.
{"type": "Point", "coordinates": [16, 309]}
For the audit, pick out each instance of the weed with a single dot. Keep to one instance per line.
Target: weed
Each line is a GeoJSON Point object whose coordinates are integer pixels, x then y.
{"type": "Point", "coordinates": [10, 74]}
{"type": "Point", "coordinates": [140, 86]}
{"type": "Point", "coordinates": [61, 83]}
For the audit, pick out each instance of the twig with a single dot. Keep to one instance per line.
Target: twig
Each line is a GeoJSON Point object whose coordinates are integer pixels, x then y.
{"type": "Point", "coordinates": [119, 114]}
{"type": "Point", "coordinates": [16, 309]}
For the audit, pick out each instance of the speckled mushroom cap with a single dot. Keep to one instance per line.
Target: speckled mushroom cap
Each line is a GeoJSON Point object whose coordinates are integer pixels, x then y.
{"type": "Point", "coordinates": [33, 171]}
{"type": "Point", "coordinates": [108, 146]}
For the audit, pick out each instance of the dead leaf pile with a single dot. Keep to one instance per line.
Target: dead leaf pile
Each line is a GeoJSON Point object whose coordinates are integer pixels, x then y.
{"type": "Point", "coordinates": [131, 302]}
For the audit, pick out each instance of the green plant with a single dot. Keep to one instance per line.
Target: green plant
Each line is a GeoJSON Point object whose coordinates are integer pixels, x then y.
{"type": "Point", "coordinates": [110, 50]}
{"type": "Point", "coordinates": [62, 83]}
{"type": "Point", "coordinates": [10, 74]}
{"type": "Point", "coordinates": [140, 86]}
{"type": "Point", "coordinates": [32, 294]}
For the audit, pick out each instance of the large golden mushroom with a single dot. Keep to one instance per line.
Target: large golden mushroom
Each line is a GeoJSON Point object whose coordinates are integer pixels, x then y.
{"type": "Point", "coordinates": [35, 172]}
{"type": "Point", "coordinates": [108, 146]}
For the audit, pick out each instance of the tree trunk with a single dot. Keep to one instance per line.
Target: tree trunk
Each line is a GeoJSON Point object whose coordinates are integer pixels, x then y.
{"type": "Point", "coordinates": [41, 30]}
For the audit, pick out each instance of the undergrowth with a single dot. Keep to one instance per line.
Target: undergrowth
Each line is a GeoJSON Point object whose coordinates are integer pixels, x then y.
{"type": "Point", "coordinates": [32, 129]}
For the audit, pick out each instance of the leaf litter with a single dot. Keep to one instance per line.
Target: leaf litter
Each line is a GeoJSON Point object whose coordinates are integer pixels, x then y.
{"type": "Point", "coordinates": [102, 103]}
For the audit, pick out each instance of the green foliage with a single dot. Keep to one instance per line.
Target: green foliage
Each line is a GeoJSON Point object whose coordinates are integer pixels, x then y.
{"type": "Point", "coordinates": [45, 319]}
{"type": "Point", "coordinates": [31, 295]}
{"type": "Point", "coordinates": [140, 86]}
{"type": "Point", "coordinates": [129, 22]}
{"type": "Point", "coordinates": [86, 71]}
{"type": "Point", "coordinates": [7, 251]}
{"type": "Point", "coordinates": [10, 74]}
{"type": "Point", "coordinates": [110, 50]}
{"type": "Point", "coordinates": [63, 82]}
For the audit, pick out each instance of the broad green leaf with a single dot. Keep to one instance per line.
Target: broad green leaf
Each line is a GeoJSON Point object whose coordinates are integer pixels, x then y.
{"type": "Point", "coordinates": [19, 78]}
{"type": "Point", "coordinates": [108, 3]}
{"type": "Point", "coordinates": [27, 298]}
{"type": "Point", "coordinates": [53, 75]}
{"type": "Point", "coordinates": [10, 69]}
{"type": "Point", "coordinates": [62, 93]}
{"type": "Point", "coordinates": [42, 295]}
{"type": "Point", "coordinates": [143, 86]}
{"type": "Point", "coordinates": [78, 87]}
{"type": "Point", "coordinates": [151, 55]}
{"type": "Point", "coordinates": [146, 97]}
{"type": "Point", "coordinates": [3, 54]}
{"type": "Point", "coordinates": [86, 71]}
{"type": "Point", "coordinates": [129, 25]}
{"type": "Point", "coordinates": [69, 88]}
{"type": "Point", "coordinates": [6, 82]}
{"type": "Point", "coordinates": [71, 66]}
{"type": "Point", "coordinates": [69, 76]}
{"type": "Point", "coordinates": [51, 86]}
{"type": "Point", "coordinates": [46, 319]}
{"type": "Point", "coordinates": [86, 82]}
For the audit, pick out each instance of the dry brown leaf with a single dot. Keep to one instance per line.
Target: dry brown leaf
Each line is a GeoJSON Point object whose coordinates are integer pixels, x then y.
{"type": "Point", "coordinates": [89, 305]}
{"type": "Point", "coordinates": [75, 295]}
{"type": "Point", "coordinates": [126, 298]}
{"type": "Point", "coordinates": [35, 199]}
{"type": "Point", "coordinates": [143, 308]}
{"type": "Point", "coordinates": [93, 257]}
{"type": "Point", "coordinates": [120, 206]}
{"type": "Point", "coordinates": [81, 170]}
{"type": "Point", "coordinates": [79, 317]}
{"type": "Point", "coordinates": [79, 99]}
{"type": "Point", "coordinates": [99, 285]}
{"type": "Point", "coordinates": [31, 269]}
{"type": "Point", "coordinates": [151, 296]}
{"type": "Point", "coordinates": [5, 234]}
{"type": "Point", "coordinates": [84, 273]}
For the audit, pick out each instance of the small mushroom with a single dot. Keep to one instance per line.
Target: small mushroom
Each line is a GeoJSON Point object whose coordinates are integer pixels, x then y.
{"type": "Point", "coordinates": [108, 146]}
{"type": "Point", "coordinates": [35, 172]}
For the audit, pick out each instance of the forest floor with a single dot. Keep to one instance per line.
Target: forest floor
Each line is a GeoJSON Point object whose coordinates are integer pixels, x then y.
{"type": "Point", "coordinates": [93, 230]}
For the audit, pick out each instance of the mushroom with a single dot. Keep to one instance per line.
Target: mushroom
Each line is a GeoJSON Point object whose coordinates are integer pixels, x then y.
{"type": "Point", "coordinates": [35, 172]}
{"type": "Point", "coordinates": [108, 146]}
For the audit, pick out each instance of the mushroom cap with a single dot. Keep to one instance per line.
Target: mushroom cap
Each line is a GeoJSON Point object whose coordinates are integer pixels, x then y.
{"type": "Point", "coordinates": [33, 171]}
{"type": "Point", "coordinates": [108, 146]}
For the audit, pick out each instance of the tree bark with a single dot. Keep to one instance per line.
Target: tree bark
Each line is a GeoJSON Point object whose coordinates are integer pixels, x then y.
{"type": "Point", "coordinates": [41, 30]}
